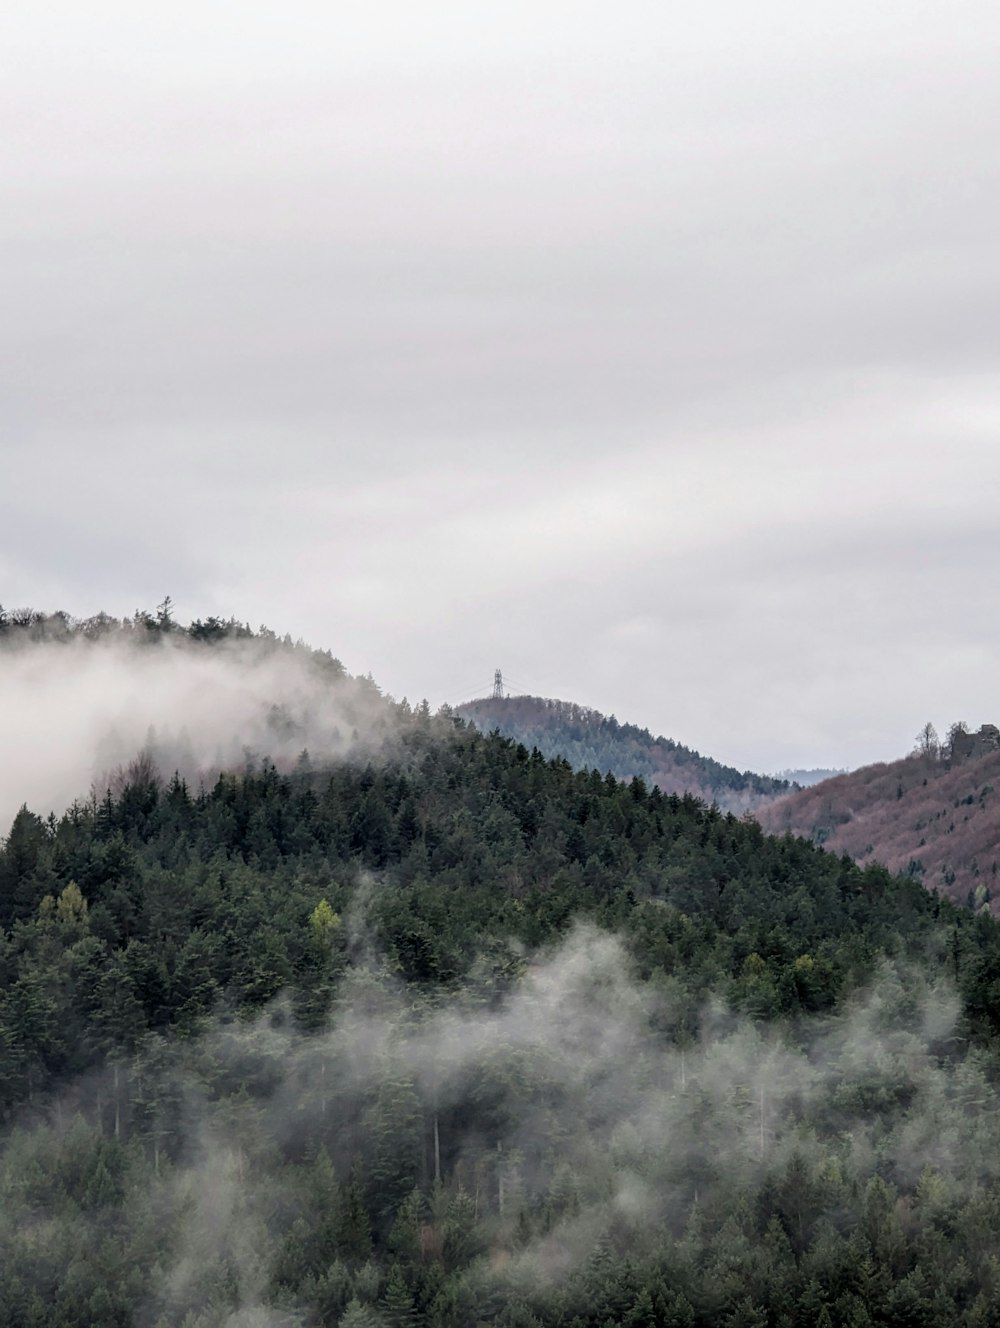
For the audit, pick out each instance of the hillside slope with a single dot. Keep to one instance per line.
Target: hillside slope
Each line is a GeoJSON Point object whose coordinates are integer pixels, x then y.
{"type": "Point", "coordinates": [932, 818]}
{"type": "Point", "coordinates": [427, 1031]}
{"type": "Point", "coordinates": [589, 740]}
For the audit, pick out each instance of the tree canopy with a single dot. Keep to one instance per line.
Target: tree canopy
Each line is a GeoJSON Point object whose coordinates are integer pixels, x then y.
{"type": "Point", "coordinates": [454, 1034]}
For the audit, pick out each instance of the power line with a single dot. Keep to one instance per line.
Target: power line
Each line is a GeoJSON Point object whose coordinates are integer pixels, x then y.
{"type": "Point", "coordinates": [514, 688]}
{"type": "Point", "coordinates": [477, 694]}
{"type": "Point", "coordinates": [502, 689]}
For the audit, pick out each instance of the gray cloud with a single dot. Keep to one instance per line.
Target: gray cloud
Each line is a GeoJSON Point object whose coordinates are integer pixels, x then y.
{"type": "Point", "coordinates": [653, 356]}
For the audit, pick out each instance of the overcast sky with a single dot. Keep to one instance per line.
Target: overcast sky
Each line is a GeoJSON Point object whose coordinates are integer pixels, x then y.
{"type": "Point", "coordinates": [648, 352]}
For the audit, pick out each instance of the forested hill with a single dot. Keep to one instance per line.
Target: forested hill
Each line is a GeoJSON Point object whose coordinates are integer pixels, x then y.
{"type": "Point", "coordinates": [440, 1032]}
{"type": "Point", "coordinates": [80, 698]}
{"type": "Point", "coordinates": [934, 815]}
{"type": "Point", "coordinates": [592, 741]}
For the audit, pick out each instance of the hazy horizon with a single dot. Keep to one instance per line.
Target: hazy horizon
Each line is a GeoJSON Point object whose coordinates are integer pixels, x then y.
{"type": "Point", "coordinates": [649, 356]}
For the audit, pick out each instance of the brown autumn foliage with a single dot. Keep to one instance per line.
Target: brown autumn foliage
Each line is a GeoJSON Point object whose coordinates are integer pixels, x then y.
{"type": "Point", "coordinates": [924, 815]}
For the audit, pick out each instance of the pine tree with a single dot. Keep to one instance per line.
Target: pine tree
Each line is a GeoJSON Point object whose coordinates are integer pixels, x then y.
{"type": "Point", "coordinates": [357, 1315]}
{"type": "Point", "coordinates": [354, 1235]}
{"type": "Point", "coordinates": [398, 1308]}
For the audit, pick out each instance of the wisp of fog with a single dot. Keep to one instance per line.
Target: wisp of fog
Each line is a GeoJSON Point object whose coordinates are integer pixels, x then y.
{"type": "Point", "coordinates": [570, 1092]}
{"type": "Point", "coordinates": [72, 712]}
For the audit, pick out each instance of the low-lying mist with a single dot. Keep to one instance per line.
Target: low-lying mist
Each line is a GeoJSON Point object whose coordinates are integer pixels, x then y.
{"type": "Point", "coordinates": [73, 711]}
{"type": "Point", "coordinates": [538, 1129]}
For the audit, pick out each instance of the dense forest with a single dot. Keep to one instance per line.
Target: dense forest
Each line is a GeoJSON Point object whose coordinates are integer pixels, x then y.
{"type": "Point", "coordinates": [441, 1031]}
{"type": "Point", "coordinates": [592, 741]}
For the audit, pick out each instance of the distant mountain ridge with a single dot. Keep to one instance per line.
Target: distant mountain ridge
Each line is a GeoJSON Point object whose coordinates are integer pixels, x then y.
{"type": "Point", "coordinates": [933, 815]}
{"type": "Point", "coordinates": [589, 740]}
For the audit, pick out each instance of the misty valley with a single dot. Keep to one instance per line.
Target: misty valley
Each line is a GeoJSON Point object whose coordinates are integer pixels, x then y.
{"type": "Point", "coordinates": [319, 1008]}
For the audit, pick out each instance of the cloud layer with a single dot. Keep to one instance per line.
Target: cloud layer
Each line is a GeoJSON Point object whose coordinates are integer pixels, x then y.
{"type": "Point", "coordinates": [651, 357]}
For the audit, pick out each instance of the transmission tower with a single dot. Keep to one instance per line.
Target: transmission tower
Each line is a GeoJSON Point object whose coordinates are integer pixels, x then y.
{"type": "Point", "coordinates": [498, 694]}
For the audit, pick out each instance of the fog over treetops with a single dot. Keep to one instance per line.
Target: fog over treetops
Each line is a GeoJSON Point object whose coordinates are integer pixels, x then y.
{"type": "Point", "coordinates": [79, 700]}
{"type": "Point", "coordinates": [427, 1029]}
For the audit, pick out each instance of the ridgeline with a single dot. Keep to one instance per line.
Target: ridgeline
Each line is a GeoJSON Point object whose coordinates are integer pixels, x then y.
{"type": "Point", "coordinates": [442, 1032]}
{"type": "Point", "coordinates": [589, 740]}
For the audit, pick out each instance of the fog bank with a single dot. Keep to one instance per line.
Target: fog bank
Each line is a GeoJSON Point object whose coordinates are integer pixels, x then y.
{"type": "Point", "coordinates": [72, 712]}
